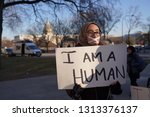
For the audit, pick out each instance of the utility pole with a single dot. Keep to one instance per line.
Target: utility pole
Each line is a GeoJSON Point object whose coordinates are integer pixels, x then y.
{"type": "Point", "coordinates": [124, 18]}
{"type": "Point", "coordinates": [149, 35]}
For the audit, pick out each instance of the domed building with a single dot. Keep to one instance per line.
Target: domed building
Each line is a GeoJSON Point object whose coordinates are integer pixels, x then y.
{"type": "Point", "coordinates": [49, 40]}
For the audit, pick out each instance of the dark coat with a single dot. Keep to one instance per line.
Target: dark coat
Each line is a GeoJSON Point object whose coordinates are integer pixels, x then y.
{"type": "Point", "coordinates": [96, 93]}
{"type": "Point", "coordinates": [135, 64]}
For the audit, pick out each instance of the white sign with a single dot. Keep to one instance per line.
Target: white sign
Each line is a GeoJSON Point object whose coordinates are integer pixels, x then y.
{"type": "Point", "coordinates": [140, 93]}
{"type": "Point", "coordinates": [91, 66]}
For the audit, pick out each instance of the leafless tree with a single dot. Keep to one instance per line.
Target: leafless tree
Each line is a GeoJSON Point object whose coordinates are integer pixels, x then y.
{"type": "Point", "coordinates": [102, 13]}
{"type": "Point", "coordinates": [13, 10]}
{"type": "Point", "coordinates": [62, 27]}
{"type": "Point", "coordinates": [146, 29]}
{"type": "Point", "coordinates": [6, 42]}
{"type": "Point", "coordinates": [132, 19]}
{"type": "Point", "coordinates": [35, 30]}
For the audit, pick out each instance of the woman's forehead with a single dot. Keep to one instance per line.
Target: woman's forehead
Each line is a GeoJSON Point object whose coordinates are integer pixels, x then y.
{"type": "Point", "coordinates": [93, 27]}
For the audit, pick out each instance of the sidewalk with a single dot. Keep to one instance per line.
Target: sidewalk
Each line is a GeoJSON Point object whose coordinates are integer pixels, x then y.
{"type": "Point", "coordinates": [45, 88]}
{"type": "Point", "coordinates": [41, 88]}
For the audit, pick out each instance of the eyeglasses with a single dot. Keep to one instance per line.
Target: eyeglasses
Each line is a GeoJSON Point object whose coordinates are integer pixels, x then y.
{"type": "Point", "coordinates": [93, 33]}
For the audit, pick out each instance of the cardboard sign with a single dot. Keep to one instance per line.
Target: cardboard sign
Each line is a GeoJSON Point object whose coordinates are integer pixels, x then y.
{"type": "Point", "coordinates": [92, 66]}
{"type": "Point", "coordinates": [140, 93]}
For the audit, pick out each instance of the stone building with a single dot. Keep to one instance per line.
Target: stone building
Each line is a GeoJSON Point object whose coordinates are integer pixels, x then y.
{"type": "Point", "coordinates": [69, 41]}
{"type": "Point", "coordinates": [49, 40]}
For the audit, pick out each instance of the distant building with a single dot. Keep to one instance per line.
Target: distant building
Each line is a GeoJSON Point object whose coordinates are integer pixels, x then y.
{"type": "Point", "coordinates": [48, 39]}
{"type": "Point", "coordinates": [69, 41]}
{"type": "Point", "coordinates": [23, 37]}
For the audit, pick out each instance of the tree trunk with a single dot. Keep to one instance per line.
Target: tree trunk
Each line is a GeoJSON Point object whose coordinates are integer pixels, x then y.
{"type": "Point", "coordinates": [1, 29]}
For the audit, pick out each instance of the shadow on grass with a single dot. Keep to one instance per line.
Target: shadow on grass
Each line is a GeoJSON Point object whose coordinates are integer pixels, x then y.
{"type": "Point", "coordinates": [25, 67]}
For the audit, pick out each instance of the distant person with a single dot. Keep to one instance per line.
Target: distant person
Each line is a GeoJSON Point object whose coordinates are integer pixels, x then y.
{"type": "Point", "coordinates": [135, 64]}
{"type": "Point", "coordinates": [90, 36]}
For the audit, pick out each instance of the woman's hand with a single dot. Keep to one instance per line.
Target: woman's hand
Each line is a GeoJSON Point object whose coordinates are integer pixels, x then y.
{"type": "Point", "coordinates": [77, 91]}
{"type": "Point", "coordinates": [116, 88]}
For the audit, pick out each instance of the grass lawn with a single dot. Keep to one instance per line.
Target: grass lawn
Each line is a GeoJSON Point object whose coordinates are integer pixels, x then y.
{"type": "Point", "coordinates": [25, 67]}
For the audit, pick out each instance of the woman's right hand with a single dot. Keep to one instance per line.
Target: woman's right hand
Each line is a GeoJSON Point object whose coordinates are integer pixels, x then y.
{"type": "Point", "coordinates": [77, 91]}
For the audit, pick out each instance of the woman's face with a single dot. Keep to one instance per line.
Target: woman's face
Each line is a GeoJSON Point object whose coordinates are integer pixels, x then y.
{"type": "Point", "coordinates": [93, 34]}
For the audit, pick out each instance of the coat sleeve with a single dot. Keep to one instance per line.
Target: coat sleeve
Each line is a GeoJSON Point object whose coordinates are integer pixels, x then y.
{"type": "Point", "coordinates": [137, 64]}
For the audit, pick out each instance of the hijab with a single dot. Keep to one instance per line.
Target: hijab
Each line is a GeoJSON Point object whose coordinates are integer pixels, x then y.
{"type": "Point", "coordinates": [82, 35]}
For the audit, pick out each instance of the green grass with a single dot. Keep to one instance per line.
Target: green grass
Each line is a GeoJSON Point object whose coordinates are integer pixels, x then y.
{"type": "Point", "coordinates": [25, 67]}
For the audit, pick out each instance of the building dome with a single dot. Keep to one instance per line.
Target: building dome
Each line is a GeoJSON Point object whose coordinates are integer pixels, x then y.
{"type": "Point", "coordinates": [47, 28]}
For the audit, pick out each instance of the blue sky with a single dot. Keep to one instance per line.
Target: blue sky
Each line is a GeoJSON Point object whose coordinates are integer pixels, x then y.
{"type": "Point", "coordinates": [143, 7]}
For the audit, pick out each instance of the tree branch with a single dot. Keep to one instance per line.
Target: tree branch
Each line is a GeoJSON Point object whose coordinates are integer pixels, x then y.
{"type": "Point", "coordinates": [73, 4]}
{"type": "Point", "coordinates": [13, 3]}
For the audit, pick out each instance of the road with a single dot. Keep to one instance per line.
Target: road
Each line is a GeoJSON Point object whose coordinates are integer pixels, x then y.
{"type": "Point", "coordinates": [48, 54]}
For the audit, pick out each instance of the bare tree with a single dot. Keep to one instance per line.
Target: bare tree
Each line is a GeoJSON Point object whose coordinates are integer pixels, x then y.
{"type": "Point", "coordinates": [100, 12]}
{"type": "Point", "coordinates": [14, 11]}
{"type": "Point", "coordinates": [6, 42]}
{"type": "Point", "coordinates": [115, 18]}
{"type": "Point", "coordinates": [146, 29]}
{"type": "Point", "coordinates": [15, 6]}
{"type": "Point", "coordinates": [35, 30]}
{"type": "Point", "coordinates": [62, 27]}
{"type": "Point", "coordinates": [132, 21]}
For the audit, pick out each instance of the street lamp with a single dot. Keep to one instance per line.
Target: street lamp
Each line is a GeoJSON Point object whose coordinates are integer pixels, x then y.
{"type": "Point", "coordinates": [124, 17]}
{"type": "Point", "coordinates": [149, 35]}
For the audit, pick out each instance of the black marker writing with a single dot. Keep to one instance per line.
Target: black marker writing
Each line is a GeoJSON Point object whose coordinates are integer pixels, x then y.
{"type": "Point", "coordinates": [68, 56]}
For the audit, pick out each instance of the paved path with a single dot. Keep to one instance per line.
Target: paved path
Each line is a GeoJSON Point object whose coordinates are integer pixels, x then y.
{"type": "Point", "coordinates": [45, 88]}
{"type": "Point", "coordinates": [41, 88]}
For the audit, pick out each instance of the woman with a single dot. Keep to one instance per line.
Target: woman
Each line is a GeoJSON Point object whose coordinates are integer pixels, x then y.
{"type": "Point", "coordinates": [135, 64]}
{"type": "Point", "coordinates": [90, 36]}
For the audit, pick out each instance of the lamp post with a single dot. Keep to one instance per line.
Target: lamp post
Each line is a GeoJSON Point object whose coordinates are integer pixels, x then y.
{"type": "Point", "coordinates": [122, 27]}
{"type": "Point", "coordinates": [149, 35]}
{"type": "Point", "coordinates": [124, 17]}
